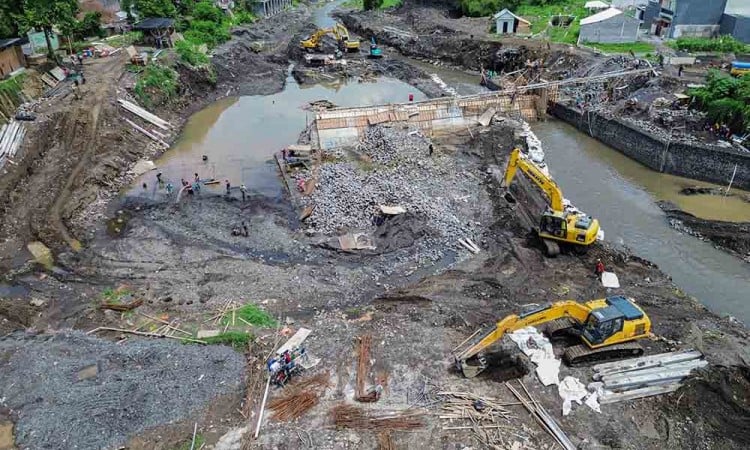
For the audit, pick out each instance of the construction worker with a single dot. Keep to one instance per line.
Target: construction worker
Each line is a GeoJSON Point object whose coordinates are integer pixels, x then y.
{"type": "Point", "coordinates": [243, 190]}
{"type": "Point", "coordinates": [229, 186]}
{"type": "Point", "coordinates": [599, 268]}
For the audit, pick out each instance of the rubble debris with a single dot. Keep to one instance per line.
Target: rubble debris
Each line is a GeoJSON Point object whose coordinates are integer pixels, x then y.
{"type": "Point", "coordinates": [151, 382]}
{"type": "Point", "coordinates": [347, 197]}
{"type": "Point", "coordinates": [299, 397]}
{"type": "Point", "coordinates": [348, 416]}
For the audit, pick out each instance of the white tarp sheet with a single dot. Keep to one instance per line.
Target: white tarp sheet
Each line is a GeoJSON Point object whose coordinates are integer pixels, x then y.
{"type": "Point", "coordinates": [538, 348]}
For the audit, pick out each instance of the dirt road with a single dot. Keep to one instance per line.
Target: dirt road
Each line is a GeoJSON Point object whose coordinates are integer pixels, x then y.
{"type": "Point", "coordinates": [62, 143]}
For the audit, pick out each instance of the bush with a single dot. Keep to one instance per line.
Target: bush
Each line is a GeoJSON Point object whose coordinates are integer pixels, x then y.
{"type": "Point", "coordinates": [726, 100]}
{"type": "Point", "coordinates": [722, 44]}
{"type": "Point", "coordinates": [235, 339]}
{"type": "Point", "coordinates": [191, 54]}
{"type": "Point", "coordinates": [253, 315]}
{"type": "Point", "coordinates": [157, 84]}
{"type": "Point", "coordinates": [209, 33]}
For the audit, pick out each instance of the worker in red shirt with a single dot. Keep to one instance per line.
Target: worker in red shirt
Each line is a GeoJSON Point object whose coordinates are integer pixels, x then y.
{"type": "Point", "coordinates": [599, 269]}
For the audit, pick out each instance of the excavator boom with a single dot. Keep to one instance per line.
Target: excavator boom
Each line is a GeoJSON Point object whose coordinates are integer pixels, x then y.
{"type": "Point", "coordinates": [557, 225]}
{"type": "Point", "coordinates": [545, 183]}
{"type": "Point", "coordinates": [606, 327]}
{"type": "Point", "coordinates": [513, 322]}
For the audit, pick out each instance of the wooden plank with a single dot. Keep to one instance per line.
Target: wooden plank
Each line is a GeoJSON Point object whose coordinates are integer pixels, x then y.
{"type": "Point", "coordinates": [643, 362]}
{"type": "Point", "coordinates": [295, 341]}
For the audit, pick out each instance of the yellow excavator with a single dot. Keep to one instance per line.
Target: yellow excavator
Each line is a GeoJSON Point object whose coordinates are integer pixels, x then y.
{"type": "Point", "coordinates": [606, 326]}
{"type": "Point", "coordinates": [557, 225]}
{"type": "Point", "coordinates": [345, 42]}
{"type": "Point", "coordinates": [338, 31]}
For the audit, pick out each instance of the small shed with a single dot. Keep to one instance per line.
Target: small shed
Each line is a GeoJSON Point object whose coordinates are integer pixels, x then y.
{"type": "Point", "coordinates": [508, 23]}
{"type": "Point", "coordinates": [157, 31]}
{"type": "Point", "coordinates": [609, 26]}
{"type": "Point", "coordinates": [11, 56]}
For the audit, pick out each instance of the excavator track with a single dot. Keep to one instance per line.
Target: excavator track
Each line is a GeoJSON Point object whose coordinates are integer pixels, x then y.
{"type": "Point", "coordinates": [581, 354]}
{"type": "Point", "coordinates": [558, 327]}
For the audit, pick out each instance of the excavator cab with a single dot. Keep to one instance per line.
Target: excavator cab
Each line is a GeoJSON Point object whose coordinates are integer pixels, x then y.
{"type": "Point", "coordinates": [554, 225]}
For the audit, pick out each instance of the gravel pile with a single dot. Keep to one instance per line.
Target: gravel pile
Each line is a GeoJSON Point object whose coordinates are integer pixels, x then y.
{"type": "Point", "coordinates": [71, 390]}
{"type": "Point", "coordinates": [401, 174]}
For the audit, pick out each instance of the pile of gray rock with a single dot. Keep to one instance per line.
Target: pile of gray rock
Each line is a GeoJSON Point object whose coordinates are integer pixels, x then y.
{"type": "Point", "coordinates": [395, 169]}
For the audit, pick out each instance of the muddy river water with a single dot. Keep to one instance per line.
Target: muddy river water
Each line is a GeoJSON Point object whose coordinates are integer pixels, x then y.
{"type": "Point", "coordinates": [622, 194]}
{"type": "Point", "coordinates": [239, 135]}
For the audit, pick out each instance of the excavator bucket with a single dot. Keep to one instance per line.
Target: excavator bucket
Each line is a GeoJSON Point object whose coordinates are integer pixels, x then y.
{"type": "Point", "coordinates": [470, 370]}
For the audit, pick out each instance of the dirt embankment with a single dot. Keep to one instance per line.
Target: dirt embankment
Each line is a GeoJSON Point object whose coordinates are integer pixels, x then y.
{"type": "Point", "coordinates": [412, 35]}
{"type": "Point", "coordinates": [732, 237]}
{"type": "Point", "coordinates": [78, 152]}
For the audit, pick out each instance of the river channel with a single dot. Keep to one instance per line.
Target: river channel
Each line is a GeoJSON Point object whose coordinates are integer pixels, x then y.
{"type": "Point", "coordinates": [622, 194]}
{"type": "Point", "coordinates": [239, 135]}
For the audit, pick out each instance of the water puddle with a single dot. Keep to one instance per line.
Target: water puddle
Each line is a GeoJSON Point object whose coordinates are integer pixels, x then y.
{"type": "Point", "coordinates": [238, 136]}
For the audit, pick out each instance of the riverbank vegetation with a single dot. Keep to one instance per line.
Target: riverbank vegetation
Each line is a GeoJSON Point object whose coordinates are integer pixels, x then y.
{"type": "Point", "coordinates": [726, 100]}
{"type": "Point", "coordinates": [721, 44]}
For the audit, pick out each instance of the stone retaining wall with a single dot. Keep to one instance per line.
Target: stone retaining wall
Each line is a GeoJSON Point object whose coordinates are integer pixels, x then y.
{"type": "Point", "coordinates": [700, 162]}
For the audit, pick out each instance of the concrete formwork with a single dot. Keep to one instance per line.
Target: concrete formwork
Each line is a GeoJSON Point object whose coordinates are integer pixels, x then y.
{"type": "Point", "coordinates": [345, 126]}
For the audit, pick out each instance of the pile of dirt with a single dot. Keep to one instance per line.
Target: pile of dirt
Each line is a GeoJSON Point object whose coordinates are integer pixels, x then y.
{"type": "Point", "coordinates": [716, 404]}
{"type": "Point", "coordinates": [72, 390]}
{"type": "Point", "coordinates": [733, 237]}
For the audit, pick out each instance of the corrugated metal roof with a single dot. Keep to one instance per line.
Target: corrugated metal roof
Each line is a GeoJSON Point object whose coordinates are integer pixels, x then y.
{"type": "Point", "coordinates": [604, 15]}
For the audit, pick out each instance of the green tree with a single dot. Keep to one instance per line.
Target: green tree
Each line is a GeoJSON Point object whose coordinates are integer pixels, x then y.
{"type": "Point", "coordinates": [369, 5]}
{"type": "Point", "coordinates": [44, 14]}
{"type": "Point", "coordinates": [9, 11]}
{"type": "Point", "coordinates": [155, 8]}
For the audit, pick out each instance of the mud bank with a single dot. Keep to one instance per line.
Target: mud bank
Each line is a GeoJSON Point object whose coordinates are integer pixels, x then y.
{"type": "Point", "coordinates": [732, 237]}
{"type": "Point", "coordinates": [711, 164]}
{"type": "Point", "coordinates": [413, 36]}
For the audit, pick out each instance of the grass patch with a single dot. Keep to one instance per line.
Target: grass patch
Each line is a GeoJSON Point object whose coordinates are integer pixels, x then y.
{"type": "Point", "coordinates": [235, 339]}
{"type": "Point", "coordinates": [156, 84]}
{"type": "Point", "coordinates": [13, 86]}
{"type": "Point", "coordinates": [635, 47]}
{"type": "Point", "coordinates": [251, 314]}
{"type": "Point", "coordinates": [360, 4]}
{"type": "Point", "coordinates": [187, 445]}
{"type": "Point", "coordinates": [191, 53]}
{"type": "Point", "coordinates": [115, 295]}
{"type": "Point", "coordinates": [722, 44]}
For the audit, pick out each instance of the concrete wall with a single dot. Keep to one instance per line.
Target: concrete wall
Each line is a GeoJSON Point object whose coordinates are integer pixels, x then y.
{"type": "Point", "coordinates": [691, 161]}
{"type": "Point", "coordinates": [698, 12]}
{"type": "Point", "coordinates": [621, 28]}
{"type": "Point", "coordinates": [268, 8]}
{"type": "Point", "coordinates": [737, 26]}
{"type": "Point", "coordinates": [698, 18]}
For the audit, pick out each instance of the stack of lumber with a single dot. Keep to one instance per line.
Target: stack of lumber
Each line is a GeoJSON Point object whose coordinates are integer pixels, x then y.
{"type": "Point", "coordinates": [11, 137]}
{"type": "Point", "coordinates": [154, 135]}
{"type": "Point", "coordinates": [646, 376]}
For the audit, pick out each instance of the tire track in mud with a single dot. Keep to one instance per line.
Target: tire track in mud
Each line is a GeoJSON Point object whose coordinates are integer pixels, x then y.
{"type": "Point", "coordinates": [90, 139]}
